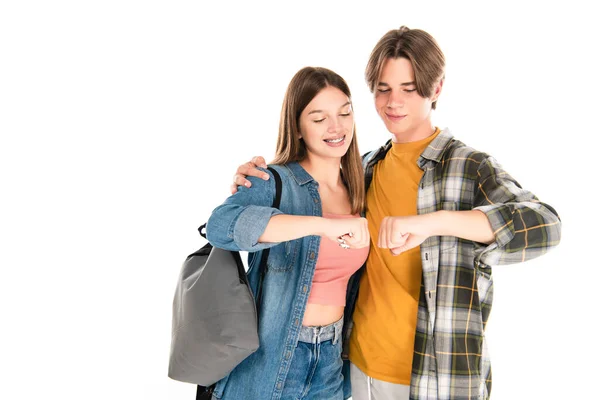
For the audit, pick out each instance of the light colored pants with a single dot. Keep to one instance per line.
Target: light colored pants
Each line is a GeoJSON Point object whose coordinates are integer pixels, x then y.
{"type": "Point", "coordinates": [366, 388]}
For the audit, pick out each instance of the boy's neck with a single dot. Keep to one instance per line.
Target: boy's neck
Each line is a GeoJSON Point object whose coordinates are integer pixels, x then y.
{"type": "Point", "coordinates": [422, 132]}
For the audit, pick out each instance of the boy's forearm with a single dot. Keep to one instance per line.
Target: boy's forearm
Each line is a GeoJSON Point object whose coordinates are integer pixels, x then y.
{"type": "Point", "coordinates": [470, 225]}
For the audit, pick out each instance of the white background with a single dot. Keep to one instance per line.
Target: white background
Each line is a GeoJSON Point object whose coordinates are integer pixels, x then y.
{"type": "Point", "coordinates": [122, 123]}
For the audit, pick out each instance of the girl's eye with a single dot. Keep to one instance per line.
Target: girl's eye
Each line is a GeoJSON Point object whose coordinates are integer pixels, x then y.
{"type": "Point", "coordinates": [319, 120]}
{"type": "Point", "coordinates": [409, 90]}
{"type": "Point", "coordinates": [344, 115]}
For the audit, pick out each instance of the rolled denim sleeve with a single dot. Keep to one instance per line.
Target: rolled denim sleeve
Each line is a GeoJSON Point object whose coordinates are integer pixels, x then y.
{"type": "Point", "coordinates": [243, 217]}
{"type": "Point", "coordinates": [524, 227]}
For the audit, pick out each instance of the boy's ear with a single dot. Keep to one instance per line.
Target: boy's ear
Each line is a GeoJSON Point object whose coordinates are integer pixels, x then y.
{"type": "Point", "coordinates": [438, 90]}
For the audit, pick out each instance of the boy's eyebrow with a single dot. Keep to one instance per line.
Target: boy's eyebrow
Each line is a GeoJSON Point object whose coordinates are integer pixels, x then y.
{"type": "Point", "coordinates": [320, 111]}
{"type": "Point", "coordinates": [402, 84]}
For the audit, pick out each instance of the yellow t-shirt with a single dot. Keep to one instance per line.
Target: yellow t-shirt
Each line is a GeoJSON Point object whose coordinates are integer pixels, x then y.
{"type": "Point", "coordinates": [385, 317]}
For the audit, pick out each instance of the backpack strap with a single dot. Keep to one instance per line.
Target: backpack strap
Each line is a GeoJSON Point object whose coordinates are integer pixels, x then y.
{"type": "Point", "coordinates": [277, 200]}
{"type": "Point", "coordinates": [201, 229]}
{"type": "Point", "coordinates": [265, 253]}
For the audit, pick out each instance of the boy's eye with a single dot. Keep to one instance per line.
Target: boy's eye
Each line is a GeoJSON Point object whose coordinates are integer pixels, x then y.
{"type": "Point", "coordinates": [409, 90]}
{"type": "Point", "coordinates": [383, 90]}
{"type": "Point", "coordinates": [344, 115]}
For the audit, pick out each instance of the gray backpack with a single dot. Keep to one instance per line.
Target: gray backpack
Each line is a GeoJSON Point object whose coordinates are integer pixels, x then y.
{"type": "Point", "coordinates": [215, 318]}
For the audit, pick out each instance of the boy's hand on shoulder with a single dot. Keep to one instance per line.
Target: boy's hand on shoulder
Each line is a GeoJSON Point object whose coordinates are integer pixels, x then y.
{"type": "Point", "coordinates": [249, 169]}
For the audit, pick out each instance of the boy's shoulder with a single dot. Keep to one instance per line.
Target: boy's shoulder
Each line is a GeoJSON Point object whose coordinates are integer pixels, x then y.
{"type": "Point", "coordinates": [377, 153]}
{"type": "Point", "coordinates": [452, 148]}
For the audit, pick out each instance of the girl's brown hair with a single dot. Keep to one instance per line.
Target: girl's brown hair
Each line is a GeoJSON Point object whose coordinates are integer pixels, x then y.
{"type": "Point", "coordinates": [304, 86]}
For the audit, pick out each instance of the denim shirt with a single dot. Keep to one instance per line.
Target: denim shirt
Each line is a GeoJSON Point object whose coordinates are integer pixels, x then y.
{"type": "Point", "coordinates": [236, 225]}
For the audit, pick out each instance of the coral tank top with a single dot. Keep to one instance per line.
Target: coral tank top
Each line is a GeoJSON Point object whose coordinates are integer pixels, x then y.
{"type": "Point", "coordinates": [334, 268]}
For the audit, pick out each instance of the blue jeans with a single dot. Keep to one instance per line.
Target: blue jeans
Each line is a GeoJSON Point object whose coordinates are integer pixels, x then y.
{"type": "Point", "coordinates": [316, 368]}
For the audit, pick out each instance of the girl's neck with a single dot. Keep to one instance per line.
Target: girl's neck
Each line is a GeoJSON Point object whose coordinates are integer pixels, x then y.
{"type": "Point", "coordinates": [325, 171]}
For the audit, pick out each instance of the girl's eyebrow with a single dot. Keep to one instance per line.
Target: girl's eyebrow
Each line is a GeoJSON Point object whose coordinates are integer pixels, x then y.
{"type": "Point", "coordinates": [320, 111]}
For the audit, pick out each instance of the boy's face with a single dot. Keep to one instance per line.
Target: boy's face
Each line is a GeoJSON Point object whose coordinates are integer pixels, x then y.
{"type": "Point", "coordinates": [404, 112]}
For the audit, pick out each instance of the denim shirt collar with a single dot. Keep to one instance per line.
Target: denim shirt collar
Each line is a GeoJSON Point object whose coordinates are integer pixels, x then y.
{"type": "Point", "coordinates": [298, 173]}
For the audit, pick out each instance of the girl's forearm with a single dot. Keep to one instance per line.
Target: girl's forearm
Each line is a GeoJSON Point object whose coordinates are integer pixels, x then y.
{"type": "Point", "coordinates": [285, 227]}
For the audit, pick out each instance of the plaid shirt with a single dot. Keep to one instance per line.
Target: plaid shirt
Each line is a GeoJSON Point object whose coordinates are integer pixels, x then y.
{"type": "Point", "coordinates": [450, 358]}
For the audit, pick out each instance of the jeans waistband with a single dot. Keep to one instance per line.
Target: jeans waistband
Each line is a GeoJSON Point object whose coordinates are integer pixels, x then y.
{"type": "Point", "coordinates": [318, 334]}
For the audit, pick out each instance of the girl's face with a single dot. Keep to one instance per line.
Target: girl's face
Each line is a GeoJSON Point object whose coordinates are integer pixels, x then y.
{"type": "Point", "coordinates": [327, 124]}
